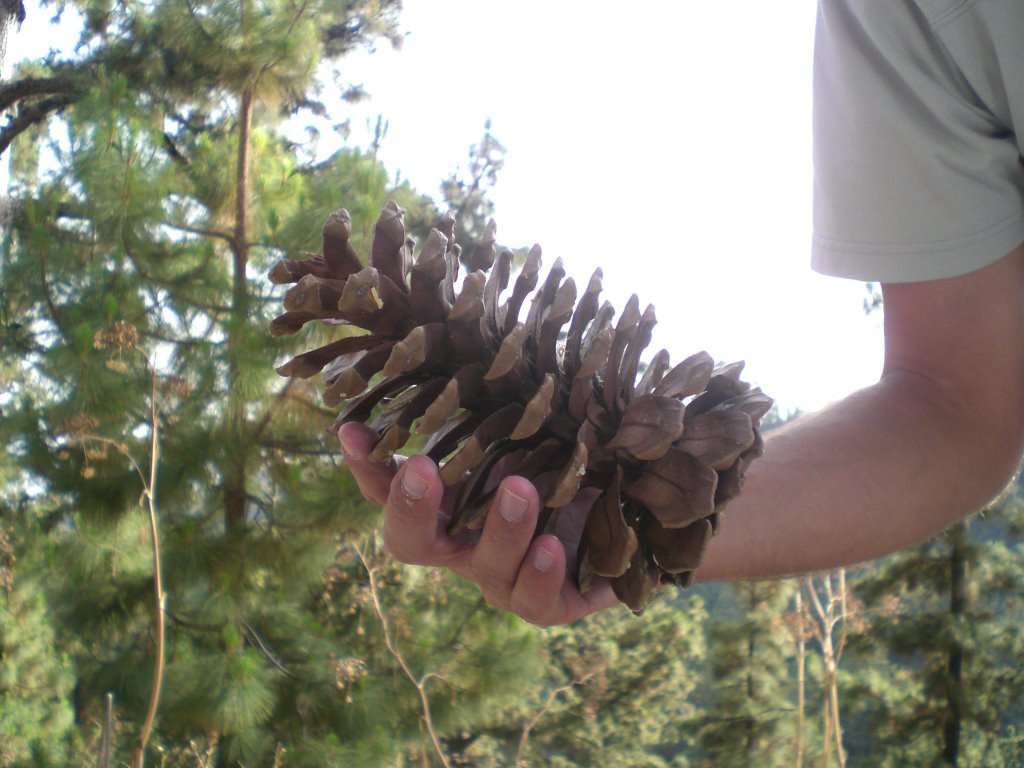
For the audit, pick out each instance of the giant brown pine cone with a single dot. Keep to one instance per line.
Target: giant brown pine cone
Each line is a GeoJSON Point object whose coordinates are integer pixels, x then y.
{"type": "Point", "coordinates": [666, 452]}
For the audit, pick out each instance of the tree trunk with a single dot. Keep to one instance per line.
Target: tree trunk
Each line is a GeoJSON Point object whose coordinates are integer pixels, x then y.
{"type": "Point", "coordinates": [801, 683]}
{"type": "Point", "coordinates": [826, 742]}
{"type": "Point", "coordinates": [836, 725]}
{"type": "Point", "coordinates": [235, 475]}
{"type": "Point", "coordinates": [751, 648]}
{"type": "Point", "coordinates": [955, 662]}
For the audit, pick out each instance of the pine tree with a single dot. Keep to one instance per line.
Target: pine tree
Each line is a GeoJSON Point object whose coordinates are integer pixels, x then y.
{"type": "Point", "coordinates": [427, 661]}
{"type": "Point", "coordinates": [946, 685]}
{"type": "Point", "coordinates": [466, 195]}
{"type": "Point", "coordinates": [613, 690]}
{"type": "Point", "coordinates": [36, 678]}
{"type": "Point", "coordinates": [35, 681]}
{"type": "Point", "coordinates": [750, 716]}
{"type": "Point", "coordinates": [173, 192]}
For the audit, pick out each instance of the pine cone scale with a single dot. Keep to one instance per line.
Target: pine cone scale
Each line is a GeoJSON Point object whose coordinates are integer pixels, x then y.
{"type": "Point", "coordinates": [650, 425]}
{"type": "Point", "coordinates": [311, 363]}
{"type": "Point", "coordinates": [678, 489]}
{"type": "Point", "coordinates": [611, 543]}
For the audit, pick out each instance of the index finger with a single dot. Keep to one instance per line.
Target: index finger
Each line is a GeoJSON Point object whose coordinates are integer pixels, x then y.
{"type": "Point", "coordinates": [411, 493]}
{"type": "Point", "coordinates": [414, 524]}
{"type": "Point", "coordinates": [374, 477]}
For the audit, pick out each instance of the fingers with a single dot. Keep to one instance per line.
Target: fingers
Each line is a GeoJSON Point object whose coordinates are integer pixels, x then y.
{"type": "Point", "coordinates": [514, 571]}
{"type": "Point", "coordinates": [495, 561]}
{"type": "Point", "coordinates": [374, 477]}
{"type": "Point", "coordinates": [411, 495]}
{"type": "Point", "coordinates": [413, 527]}
{"type": "Point", "coordinates": [544, 594]}
{"type": "Point", "coordinates": [527, 576]}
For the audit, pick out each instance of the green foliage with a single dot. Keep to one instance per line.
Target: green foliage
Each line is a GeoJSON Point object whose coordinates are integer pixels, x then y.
{"type": "Point", "coordinates": [615, 691]}
{"type": "Point", "coordinates": [137, 223]}
{"type": "Point", "coordinates": [36, 678]}
{"type": "Point", "coordinates": [131, 207]}
{"type": "Point", "coordinates": [750, 717]}
{"type": "Point", "coordinates": [467, 195]}
{"type": "Point", "coordinates": [471, 661]}
{"type": "Point", "coordinates": [945, 681]}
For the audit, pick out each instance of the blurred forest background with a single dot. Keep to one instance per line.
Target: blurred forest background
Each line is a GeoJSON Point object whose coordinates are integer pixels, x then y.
{"type": "Point", "coordinates": [155, 175]}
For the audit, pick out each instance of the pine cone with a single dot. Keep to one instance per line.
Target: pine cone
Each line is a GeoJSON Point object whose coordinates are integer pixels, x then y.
{"type": "Point", "coordinates": [666, 452]}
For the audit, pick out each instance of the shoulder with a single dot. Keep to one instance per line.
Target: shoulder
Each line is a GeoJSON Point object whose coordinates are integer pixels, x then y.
{"type": "Point", "coordinates": [917, 168]}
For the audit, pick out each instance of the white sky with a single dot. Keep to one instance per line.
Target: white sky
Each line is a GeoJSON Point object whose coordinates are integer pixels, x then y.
{"type": "Point", "coordinates": [667, 142]}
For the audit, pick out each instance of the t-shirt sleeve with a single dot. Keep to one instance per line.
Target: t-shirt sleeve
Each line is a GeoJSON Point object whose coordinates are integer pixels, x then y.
{"type": "Point", "coordinates": [914, 178]}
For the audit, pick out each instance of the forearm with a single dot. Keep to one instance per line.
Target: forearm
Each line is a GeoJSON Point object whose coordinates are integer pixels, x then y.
{"type": "Point", "coordinates": [936, 438]}
{"type": "Point", "coordinates": [887, 467]}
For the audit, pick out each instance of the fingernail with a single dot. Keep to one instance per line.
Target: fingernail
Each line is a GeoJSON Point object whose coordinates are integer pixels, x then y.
{"type": "Point", "coordinates": [346, 446]}
{"type": "Point", "coordinates": [414, 485]}
{"type": "Point", "coordinates": [543, 559]}
{"type": "Point", "coordinates": [512, 508]}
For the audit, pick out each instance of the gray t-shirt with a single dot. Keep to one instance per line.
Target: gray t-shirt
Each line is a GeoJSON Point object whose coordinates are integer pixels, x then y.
{"type": "Point", "coordinates": [918, 137]}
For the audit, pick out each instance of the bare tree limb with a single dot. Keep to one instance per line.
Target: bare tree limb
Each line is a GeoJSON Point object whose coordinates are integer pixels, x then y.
{"type": "Point", "coordinates": [218, 234]}
{"type": "Point", "coordinates": [275, 404]}
{"type": "Point", "coordinates": [298, 449]}
{"type": "Point", "coordinates": [266, 651]}
{"type": "Point", "coordinates": [801, 679]}
{"type": "Point", "coordinates": [29, 116]}
{"type": "Point", "coordinates": [28, 87]}
{"type": "Point", "coordinates": [829, 613]}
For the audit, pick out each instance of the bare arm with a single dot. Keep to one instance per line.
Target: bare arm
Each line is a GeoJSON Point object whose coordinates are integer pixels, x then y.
{"type": "Point", "coordinates": [934, 440]}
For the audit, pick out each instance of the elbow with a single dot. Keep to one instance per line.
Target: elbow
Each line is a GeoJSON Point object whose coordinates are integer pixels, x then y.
{"type": "Point", "coordinates": [976, 436]}
{"type": "Point", "coordinates": [992, 443]}
{"type": "Point", "coordinates": [1004, 447]}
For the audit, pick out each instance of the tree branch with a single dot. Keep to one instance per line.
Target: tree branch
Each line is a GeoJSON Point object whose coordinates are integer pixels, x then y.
{"type": "Point", "coordinates": [54, 312]}
{"type": "Point", "coordinates": [544, 709]}
{"type": "Point", "coordinates": [297, 448]}
{"type": "Point", "coordinates": [218, 234]}
{"type": "Point", "coordinates": [420, 683]}
{"type": "Point", "coordinates": [30, 116]}
{"type": "Point", "coordinates": [27, 87]}
{"type": "Point", "coordinates": [266, 651]}
{"type": "Point", "coordinates": [271, 410]}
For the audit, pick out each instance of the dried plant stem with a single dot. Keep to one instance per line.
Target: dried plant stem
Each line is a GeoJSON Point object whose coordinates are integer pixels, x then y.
{"type": "Point", "coordinates": [148, 503]}
{"type": "Point", "coordinates": [544, 709]}
{"type": "Point", "coordinates": [103, 758]}
{"type": "Point", "coordinates": [801, 681]}
{"type": "Point", "coordinates": [279, 751]}
{"type": "Point", "coordinates": [830, 614]}
{"type": "Point", "coordinates": [420, 683]}
{"type": "Point", "coordinates": [139, 747]}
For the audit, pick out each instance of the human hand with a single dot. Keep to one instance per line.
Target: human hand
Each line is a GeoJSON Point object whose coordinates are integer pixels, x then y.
{"type": "Point", "coordinates": [514, 571]}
